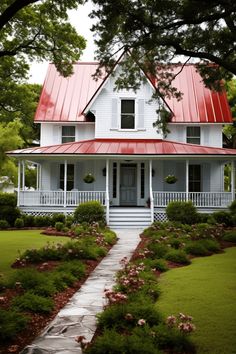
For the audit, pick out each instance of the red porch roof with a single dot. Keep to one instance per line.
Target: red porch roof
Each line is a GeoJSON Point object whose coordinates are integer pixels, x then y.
{"type": "Point", "coordinates": [65, 99]}
{"type": "Point", "coordinates": [124, 147]}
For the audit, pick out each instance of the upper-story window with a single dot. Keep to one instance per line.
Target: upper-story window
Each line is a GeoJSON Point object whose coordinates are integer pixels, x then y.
{"type": "Point", "coordinates": [67, 134]}
{"type": "Point", "coordinates": [127, 114]}
{"type": "Point", "coordinates": [193, 135]}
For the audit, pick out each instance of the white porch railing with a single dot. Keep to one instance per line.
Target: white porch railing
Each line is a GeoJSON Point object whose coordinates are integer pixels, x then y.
{"type": "Point", "coordinates": [199, 199]}
{"type": "Point", "coordinates": [56, 198]}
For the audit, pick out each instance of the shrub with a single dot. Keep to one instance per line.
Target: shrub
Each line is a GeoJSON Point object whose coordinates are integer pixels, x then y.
{"type": "Point", "coordinates": [89, 212]}
{"type": "Point", "coordinates": [69, 221]}
{"type": "Point", "coordinates": [230, 236]}
{"type": "Point", "coordinates": [59, 226]}
{"type": "Point", "coordinates": [4, 224]}
{"type": "Point", "coordinates": [40, 221]}
{"type": "Point", "coordinates": [196, 248]}
{"type": "Point", "coordinates": [32, 302]}
{"type": "Point", "coordinates": [58, 217]}
{"type": "Point", "coordinates": [223, 217]}
{"type": "Point", "coordinates": [177, 256]}
{"type": "Point", "coordinates": [203, 217]}
{"type": "Point", "coordinates": [8, 209]}
{"type": "Point", "coordinates": [158, 264]}
{"type": "Point", "coordinates": [232, 207]}
{"type": "Point", "coordinates": [19, 223]}
{"type": "Point", "coordinates": [175, 243]}
{"type": "Point", "coordinates": [76, 268]}
{"type": "Point", "coordinates": [11, 323]}
{"type": "Point", "coordinates": [28, 220]}
{"type": "Point", "coordinates": [183, 212]}
{"type": "Point", "coordinates": [158, 250]}
{"type": "Point", "coordinates": [115, 316]}
{"type": "Point", "coordinates": [109, 236]}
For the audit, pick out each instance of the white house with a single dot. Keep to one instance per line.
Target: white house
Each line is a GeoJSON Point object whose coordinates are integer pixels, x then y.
{"type": "Point", "coordinates": [87, 127]}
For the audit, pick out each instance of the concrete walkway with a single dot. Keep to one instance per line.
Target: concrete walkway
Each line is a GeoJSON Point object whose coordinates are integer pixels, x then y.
{"type": "Point", "coordinates": [78, 317]}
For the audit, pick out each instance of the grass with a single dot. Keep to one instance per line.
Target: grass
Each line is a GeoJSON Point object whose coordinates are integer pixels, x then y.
{"type": "Point", "coordinates": [11, 242]}
{"type": "Point", "coordinates": [205, 290]}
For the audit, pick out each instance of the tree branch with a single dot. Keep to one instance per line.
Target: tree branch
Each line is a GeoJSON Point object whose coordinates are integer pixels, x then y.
{"type": "Point", "coordinates": [11, 10]}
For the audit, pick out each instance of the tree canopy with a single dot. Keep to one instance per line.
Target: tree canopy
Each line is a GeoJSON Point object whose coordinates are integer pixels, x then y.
{"type": "Point", "coordinates": [158, 31]}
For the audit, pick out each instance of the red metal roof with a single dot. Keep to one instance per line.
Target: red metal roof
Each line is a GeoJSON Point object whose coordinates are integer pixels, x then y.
{"type": "Point", "coordinates": [124, 147]}
{"type": "Point", "coordinates": [199, 104]}
{"type": "Point", "coordinates": [65, 99]}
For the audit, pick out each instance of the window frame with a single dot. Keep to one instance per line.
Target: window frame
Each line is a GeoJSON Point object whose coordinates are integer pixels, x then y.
{"type": "Point", "coordinates": [71, 138]}
{"type": "Point", "coordinates": [128, 113]}
{"type": "Point", "coordinates": [192, 136]}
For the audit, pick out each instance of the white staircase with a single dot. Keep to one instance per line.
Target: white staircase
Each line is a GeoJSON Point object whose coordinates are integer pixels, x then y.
{"type": "Point", "coordinates": [129, 217]}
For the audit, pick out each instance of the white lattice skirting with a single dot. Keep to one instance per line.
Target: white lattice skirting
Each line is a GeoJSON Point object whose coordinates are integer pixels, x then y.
{"type": "Point", "coordinates": [160, 216]}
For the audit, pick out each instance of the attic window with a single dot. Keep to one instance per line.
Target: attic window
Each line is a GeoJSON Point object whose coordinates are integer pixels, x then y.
{"type": "Point", "coordinates": [67, 134]}
{"type": "Point", "coordinates": [90, 117]}
{"type": "Point", "coordinates": [127, 114]}
{"type": "Point", "coordinates": [193, 135]}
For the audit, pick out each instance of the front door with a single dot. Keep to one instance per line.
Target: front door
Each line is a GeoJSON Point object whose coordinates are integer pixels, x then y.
{"type": "Point", "coordinates": [128, 184]}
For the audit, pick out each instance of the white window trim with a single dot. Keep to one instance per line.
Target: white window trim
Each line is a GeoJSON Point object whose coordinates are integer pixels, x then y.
{"type": "Point", "coordinates": [135, 113]}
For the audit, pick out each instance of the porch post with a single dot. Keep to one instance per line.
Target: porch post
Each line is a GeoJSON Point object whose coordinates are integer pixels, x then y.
{"type": "Point", "coordinates": [232, 181]}
{"type": "Point", "coordinates": [187, 179]}
{"type": "Point", "coordinates": [150, 189]}
{"type": "Point", "coordinates": [107, 192]}
{"type": "Point", "coordinates": [40, 177]}
{"type": "Point", "coordinates": [37, 177]}
{"type": "Point", "coordinates": [65, 182]}
{"type": "Point", "coordinates": [18, 187]}
{"type": "Point", "coordinates": [23, 175]}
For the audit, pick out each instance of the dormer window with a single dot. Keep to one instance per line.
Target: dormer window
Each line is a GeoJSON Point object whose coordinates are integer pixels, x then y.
{"type": "Point", "coordinates": [127, 114]}
{"type": "Point", "coordinates": [193, 135]}
{"type": "Point", "coordinates": [67, 134]}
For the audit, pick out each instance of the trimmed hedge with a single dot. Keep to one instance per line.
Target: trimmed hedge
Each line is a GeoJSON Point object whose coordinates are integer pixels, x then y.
{"type": "Point", "coordinates": [183, 212]}
{"type": "Point", "coordinates": [89, 212]}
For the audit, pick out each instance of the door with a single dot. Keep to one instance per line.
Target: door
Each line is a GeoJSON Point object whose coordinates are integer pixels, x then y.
{"type": "Point", "coordinates": [128, 184]}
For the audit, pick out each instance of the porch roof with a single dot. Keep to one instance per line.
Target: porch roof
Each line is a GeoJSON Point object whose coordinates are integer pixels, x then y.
{"type": "Point", "coordinates": [114, 147]}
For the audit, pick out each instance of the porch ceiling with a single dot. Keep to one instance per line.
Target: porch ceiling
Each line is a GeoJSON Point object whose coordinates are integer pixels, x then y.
{"type": "Point", "coordinates": [125, 147]}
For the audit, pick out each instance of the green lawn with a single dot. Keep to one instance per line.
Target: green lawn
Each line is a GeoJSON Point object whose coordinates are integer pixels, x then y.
{"type": "Point", "coordinates": [206, 290]}
{"type": "Point", "coordinates": [11, 242]}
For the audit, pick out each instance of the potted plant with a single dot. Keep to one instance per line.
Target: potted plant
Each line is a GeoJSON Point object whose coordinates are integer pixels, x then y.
{"type": "Point", "coordinates": [89, 178]}
{"type": "Point", "coordinates": [170, 179]}
{"type": "Point", "coordinates": [148, 202]}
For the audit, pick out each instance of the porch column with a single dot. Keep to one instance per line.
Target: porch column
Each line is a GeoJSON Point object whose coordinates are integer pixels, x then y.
{"type": "Point", "coordinates": [37, 176]}
{"type": "Point", "coordinates": [18, 187]}
{"type": "Point", "coordinates": [150, 190]}
{"type": "Point", "coordinates": [187, 179]}
{"type": "Point", "coordinates": [107, 192]}
{"type": "Point", "coordinates": [232, 180]}
{"type": "Point", "coordinates": [23, 175]}
{"type": "Point", "coordinates": [65, 182]}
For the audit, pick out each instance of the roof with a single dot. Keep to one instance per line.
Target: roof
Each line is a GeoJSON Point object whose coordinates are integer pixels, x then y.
{"type": "Point", "coordinates": [65, 99]}
{"type": "Point", "coordinates": [117, 147]}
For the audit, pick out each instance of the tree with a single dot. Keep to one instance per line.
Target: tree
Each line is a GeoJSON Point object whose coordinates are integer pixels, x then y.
{"type": "Point", "coordinates": [36, 30]}
{"type": "Point", "coordinates": [9, 140]}
{"type": "Point", "coordinates": [19, 101]}
{"type": "Point", "coordinates": [157, 31]}
{"type": "Point", "coordinates": [230, 130]}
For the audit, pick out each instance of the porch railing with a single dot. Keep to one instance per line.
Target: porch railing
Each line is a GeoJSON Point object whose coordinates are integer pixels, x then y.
{"type": "Point", "coordinates": [56, 198]}
{"type": "Point", "coordinates": [199, 199]}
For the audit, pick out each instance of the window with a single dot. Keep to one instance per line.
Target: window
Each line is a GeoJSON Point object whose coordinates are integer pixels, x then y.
{"type": "Point", "coordinates": [70, 176]}
{"type": "Point", "coordinates": [193, 135]}
{"type": "Point", "coordinates": [67, 134]}
{"type": "Point", "coordinates": [127, 114]}
{"type": "Point", "coordinates": [195, 178]}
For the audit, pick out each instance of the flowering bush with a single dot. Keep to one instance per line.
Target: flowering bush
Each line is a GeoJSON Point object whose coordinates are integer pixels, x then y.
{"type": "Point", "coordinates": [182, 322]}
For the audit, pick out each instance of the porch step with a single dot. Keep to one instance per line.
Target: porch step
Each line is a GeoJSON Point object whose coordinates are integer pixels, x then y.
{"type": "Point", "coordinates": [129, 217]}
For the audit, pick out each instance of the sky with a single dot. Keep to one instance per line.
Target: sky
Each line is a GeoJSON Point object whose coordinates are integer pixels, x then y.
{"type": "Point", "coordinates": [81, 21]}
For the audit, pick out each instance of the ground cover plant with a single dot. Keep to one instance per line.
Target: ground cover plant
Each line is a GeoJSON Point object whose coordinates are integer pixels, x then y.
{"type": "Point", "coordinates": [44, 277]}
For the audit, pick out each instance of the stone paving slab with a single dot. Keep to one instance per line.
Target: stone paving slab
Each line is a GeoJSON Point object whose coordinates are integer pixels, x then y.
{"type": "Point", "coordinates": [78, 317]}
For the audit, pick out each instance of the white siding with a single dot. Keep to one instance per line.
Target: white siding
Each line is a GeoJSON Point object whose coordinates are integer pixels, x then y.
{"type": "Point", "coordinates": [107, 107]}
{"type": "Point", "coordinates": [211, 135]}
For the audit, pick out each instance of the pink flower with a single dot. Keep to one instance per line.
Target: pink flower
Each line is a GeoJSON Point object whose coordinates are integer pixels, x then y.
{"type": "Point", "coordinates": [141, 322]}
